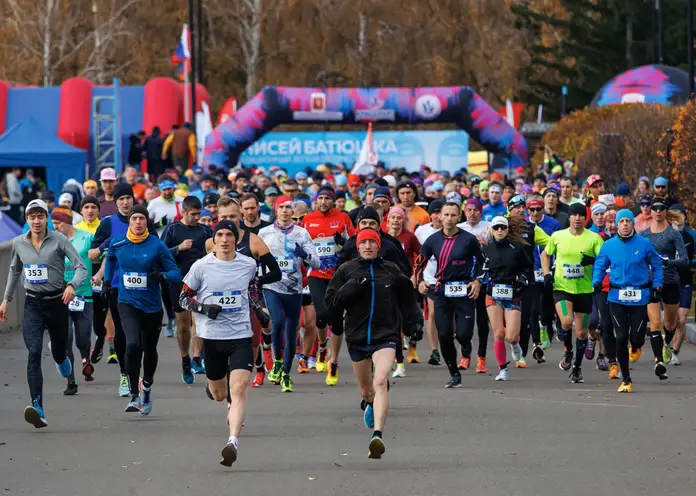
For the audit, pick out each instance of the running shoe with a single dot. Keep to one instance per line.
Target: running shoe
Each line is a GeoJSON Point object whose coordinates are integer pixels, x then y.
{"type": "Point", "coordinates": [590, 350]}
{"type": "Point", "coordinates": [186, 372]}
{"type": "Point", "coordinates": [413, 355]}
{"type": "Point", "coordinates": [434, 358]}
{"type": "Point", "coordinates": [369, 416]}
{"type": "Point", "coordinates": [674, 360]}
{"type": "Point", "coordinates": [322, 359]}
{"type": "Point", "coordinates": [207, 391]}
{"type": "Point", "coordinates": [146, 401]}
{"type": "Point", "coordinates": [87, 370]}
{"type": "Point", "coordinates": [602, 363]}
{"type": "Point", "coordinates": [545, 341]}
{"type": "Point", "coordinates": [96, 355]}
{"type": "Point", "coordinates": [65, 368]}
{"type": "Point", "coordinates": [112, 357]}
{"type": "Point", "coordinates": [171, 329]}
{"type": "Point", "coordinates": [124, 386]}
{"type": "Point", "coordinates": [481, 367]}
{"type": "Point", "coordinates": [538, 354]}
{"type": "Point", "coordinates": [521, 363]}
{"type": "Point", "coordinates": [286, 383]}
{"type": "Point", "coordinates": [268, 358]}
{"type": "Point", "coordinates": [502, 375]}
{"type": "Point", "coordinates": [71, 390]}
{"type": "Point", "coordinates": [576, 376]}
{"type": "Point", "coordinates": [660, 370]}
{"type": "Point", "coordinates": [229, 455]}
{"type": "Point", "coordinates": [454, 382]}
{"type": "Point", "coordinates": [312, 362]}
{"type": "Point", "coordinates": [258, 380]}
{"type": "Point", "coordinates": [376, 448]}
{"type": "Point", "coordinates": [302, 367]}
{"type": "Point", "coordinates": [614, 371]}
{"type": "Point", "coordinates": [634, 355]}
{"type": "Point", "coordinates": [332, 375]}
{"type": "Point", "coordinates": [566, 361]}
{"type": "Point", "coordinates": [133, 405]}
{"type": "Point", "coordinates": [516, 352]}
{"type": "Point", "coordinates": [464, 363]}
{"type": "Point", "coordinates": [626, 386]}
{"type": "Point", "coordinates": [400, 370]}
{"type": "Point", "coordinates": [275, 374]}
{"type": "Point", "coordinates": [666, 354]}
{"type": "Point", "coordinates": [34, 414]}
{"type": "Point", "coordinates": [197, 366]}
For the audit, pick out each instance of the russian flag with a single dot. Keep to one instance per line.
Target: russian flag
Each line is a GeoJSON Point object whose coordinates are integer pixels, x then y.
{"type": "Point", "coordinates": [182, 56]}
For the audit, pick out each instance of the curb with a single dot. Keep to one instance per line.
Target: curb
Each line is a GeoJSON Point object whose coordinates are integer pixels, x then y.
{"type": "Point", "coordinates": [691, 333]}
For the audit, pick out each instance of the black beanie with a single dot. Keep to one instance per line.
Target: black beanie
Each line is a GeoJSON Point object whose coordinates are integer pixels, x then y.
{"type": "Point", "coordinates": [226, 224]}
{"type": "Point", "coordinates": [577, 209]}
{"type": "Point", "coordinates": [138, 209]}
{"type": "Point", "coordinates": [368, 213]}
{"type": "Point", "coordinates": [123, 189]}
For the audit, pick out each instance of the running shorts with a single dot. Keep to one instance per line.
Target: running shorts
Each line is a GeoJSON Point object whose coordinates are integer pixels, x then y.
{"type": "Point", "coordinates": [225, 355]}
{"type": "Point", "coordinates": [360, 352]}
{"type": "Point", "coordinates": [582, 303]}
{"type": "Point", "coordinates": [174, 293]}
{"type": "Point", "coordinates": [306, 300]}
{"type": "Point", "coordinates": [685, 299]}
{"type": "Point", "coordinates": [513, 304]}
{"type": "Point", "coordinates": [671, 294]}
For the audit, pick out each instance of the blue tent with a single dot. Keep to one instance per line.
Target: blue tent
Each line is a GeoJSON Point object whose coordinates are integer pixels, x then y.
{"type": "Point", "coordinates": [28, 144]}
{"type": "Point", "coordinates": [8, 228]}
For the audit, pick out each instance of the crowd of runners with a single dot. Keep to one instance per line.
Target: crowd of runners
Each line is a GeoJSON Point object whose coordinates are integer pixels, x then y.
{"type": "Point", "coordinates": [265, 275]}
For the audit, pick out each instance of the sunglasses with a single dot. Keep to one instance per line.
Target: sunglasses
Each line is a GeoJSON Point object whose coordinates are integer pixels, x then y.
{"type": "Point", "coordinates": [660, 187]}
{"type": "Point", "coordinates": [499, 228]}
{"type": "Point", "coordinates": [658, 208]}
{"type": "Point", "coordinates": [535, 209]}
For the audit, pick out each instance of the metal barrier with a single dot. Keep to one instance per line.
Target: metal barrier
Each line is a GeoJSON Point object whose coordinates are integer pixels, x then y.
{"type": "Point", "coordinates": [15, 313]}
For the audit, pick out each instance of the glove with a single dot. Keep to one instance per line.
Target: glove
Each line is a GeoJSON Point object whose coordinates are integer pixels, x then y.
{"type": "Point", "coordinates": [655, 295]}
{"type": "Point", "coordinates": [598, 287]}
{"type": "Point", "coordinates": [417, 327]}
{"type": "Point", "coordinates": [156, 277]}
{"type": "Point", "coordinates": [163, 221]}
{"type": "Point", "coordinates": [522, 280]}
{"type": "Point", "coordinates": [548, 281]}
{"type": "Point", "coordinates": [587, 260]}
{"type": "Point", "coordinates": [300, 252]}
{"type": "Point", "coordinates": [106, 289]}
{"type": "Point", "coordinates": [666, 262]}
{"type": "Point", "coordinates": [209, 310]}
{"type": "Point", "coordinates": [338, 239]}
{"type": "Point", "coordinates": [264, 318]}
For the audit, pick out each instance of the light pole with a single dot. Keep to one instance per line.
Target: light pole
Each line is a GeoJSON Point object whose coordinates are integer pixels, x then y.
{"type": "Point", "coordinates": [690, 44]}
{"type": "Point", "coordinates": [660, 4]}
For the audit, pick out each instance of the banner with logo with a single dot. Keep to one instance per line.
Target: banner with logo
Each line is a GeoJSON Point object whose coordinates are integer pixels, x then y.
{"type": "Point", "coordinates": [441, 150]}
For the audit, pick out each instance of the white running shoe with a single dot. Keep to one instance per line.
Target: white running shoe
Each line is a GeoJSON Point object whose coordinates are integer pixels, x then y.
{"type": "Point", "coordinates": [502, 375]}
{"type": "Point", "coordinates": [400, 370]}
{"type": "Point", "coordinates": [312, 362]}
{"type": "Point", "coordinates": [674, 360]}
{"type": "Point", "coordinates": [516, 352]}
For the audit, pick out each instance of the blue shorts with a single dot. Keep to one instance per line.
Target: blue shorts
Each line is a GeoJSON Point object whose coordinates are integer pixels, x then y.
{"type": "Point", "coordinates": [685, 297]}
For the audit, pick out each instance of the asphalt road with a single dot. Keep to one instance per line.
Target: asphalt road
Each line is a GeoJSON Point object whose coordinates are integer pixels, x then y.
{"type": "Point", "coordinates": [534, 435]}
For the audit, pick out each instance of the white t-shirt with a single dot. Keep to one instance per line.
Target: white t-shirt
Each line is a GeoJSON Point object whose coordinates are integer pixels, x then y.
{"type": "Point", "coordinates": [159, 207]}
{"type": "Point", "coordinates": [225, 284]}
{"type": "Point", "coordinates": [480, 230]}
{"type": "Point", "coordinates": [423, 233]}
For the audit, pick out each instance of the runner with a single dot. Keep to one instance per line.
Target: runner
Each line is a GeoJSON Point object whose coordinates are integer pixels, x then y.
{"type": "Point", "coordinates": [329, 230]}
{"type": "Point", "coordinates": [495, 207]}
{"type": "Point", "coordinates": [679, 215]}
{"type": "Point", "coordinates": [359, 285]}
{"type": "Point", "coordinates": [459, 261]}
{"type": "Point", "coordinates": [80, 309]}
{"type": "Point", "coordinates": [143, 261]}
{"type": "Point", "coordinates": [551, 207]}
{"type": "Point", "coordinates": [186, 240]}
{"type": "Point", "coordinates": [601, 316]}
{"type": "Point", "coordinates": [576, 249]}
{"type": "Point", "coordinates": [507, 263]}
{"type": "Point", "coordinates": [670, 246]}
{"type": "Point", "coordinates": [217, 289]}
{"type": "Point", "coordinates": [291, 246]}
{"type": "Point", "coordinates": [631, 261]}
{"type": "Point", "coordinates": [41, 254]}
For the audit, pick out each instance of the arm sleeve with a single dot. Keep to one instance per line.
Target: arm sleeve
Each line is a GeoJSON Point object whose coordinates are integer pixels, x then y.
{"type": "Point", "coordinates": [540, 237]}
{"type": "Point", "coordinates": [333, 302]}
{"type": "Point", "coordinates": [167, 263]}
{"type": "Point", "coordinates": [656, 266]}
{"type": "Point", "coordinates": [187, 297]}
{"type": "Point", "coordinates": [13, 277]}
{"type": "Point", "coordinates": [110, 263]}
{"type": "Point", "coordinates": [313, 258]}
{"type": "Point", "coordinates": [273, 274]}
{"type": "Point", "coordinates": [349, 225]}
{"type": "Point", "coordinates": [102, 235]}
{"type": "Point", "coordinates": [600, 266]}
{"type": "Point", "coordinates": [74, 257]}
{"type": "Point", "coordinates": [681, 258]}
{"type": "Point", "coordinates": [406, 297]}
{"type": "Point", "coordinates": [168, 240]}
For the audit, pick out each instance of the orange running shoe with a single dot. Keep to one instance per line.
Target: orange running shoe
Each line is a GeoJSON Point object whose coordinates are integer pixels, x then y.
{"type": "Point", "coordinates": [613, 371]}
{"type": "Point", "coordinates": [464, 363]}
{"type": "Point", "coordinates": [258, 380]}
{"type": "Point", "coordinates": [302, 367]}
{"type": "Point", "coordinates": [481, 365]}
{"type": "Point", "coordinates": [521, 363]}
{"type": "Point", "coordinates": [268, 359]}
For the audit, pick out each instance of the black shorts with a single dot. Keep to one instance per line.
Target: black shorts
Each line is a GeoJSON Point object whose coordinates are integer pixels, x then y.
{"type": "Point", "coordinates": [671, 294]}
{"type": "Point", "coordinates": [174, 292]}
{"type": "Point", "coordinates": [686, 294]}
{"type": "Point", "coordinates": [306, 300]}
{"type": "Point", "coordinates": [582, 303]}
{"type": "Point", "coordinates": [225, 355]}
{"type": "Point", "coordinates": [360, 352]}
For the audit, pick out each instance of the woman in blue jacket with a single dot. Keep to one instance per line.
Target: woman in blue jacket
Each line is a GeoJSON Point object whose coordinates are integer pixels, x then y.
{"type": "Point", "coordinates": [143, 261]}
{"type": "Point", "coordinates": [631, 261]}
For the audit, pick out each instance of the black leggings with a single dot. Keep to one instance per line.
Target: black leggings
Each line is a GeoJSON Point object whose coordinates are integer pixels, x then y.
{"type": "Point", "coordinates": [167, 300]}
{"type": "Point", "coordinates": [529, 298]}
{"type": "Point", "coordinates": [461, 312]}
{"type": "Point", "coordinates": [119, 336]}
{"type": "Point", "coordinates": [100, 309]}
{"type": "Point", "coordinates": [482, 327]}
{"type": "Point", "coordinates": [142, 334]}
{"type": "Point", "coordinates": [317, 288]}
{"type": "Point", "coordinates": [605, 325]}
{"type": "Point", "coordinates": [629, 324]}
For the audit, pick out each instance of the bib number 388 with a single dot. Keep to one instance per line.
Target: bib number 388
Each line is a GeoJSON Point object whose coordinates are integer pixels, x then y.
{"type": "Point", "coordinates": [502, 292]}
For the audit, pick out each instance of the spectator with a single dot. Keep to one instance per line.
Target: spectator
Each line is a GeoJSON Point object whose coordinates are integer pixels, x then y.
{"type": "Point", "coordinates": [182, 142]}
{"type": "Point", "coordinates": [66, 200]}
{"type": "Point", "coordinates": [153, 153]}
{"type": "Point", "coordinates": [90, 187]}
{"type": "Point", "coordinates": [107, 204]}
{"type": "Point", "coordinates": [208, 185]}
{"type": "Point", "coordinates": [14, 194]}
{"type": "Point", "coordinates": [136, 152]}
{"type": "Point", "coordinates": [131, 177]}
{"type": "Point", "coordinates": [267, 207]}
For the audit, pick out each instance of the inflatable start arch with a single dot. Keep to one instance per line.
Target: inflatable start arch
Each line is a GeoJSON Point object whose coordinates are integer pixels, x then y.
{"type": "Point", "coordinates": [274, 106]}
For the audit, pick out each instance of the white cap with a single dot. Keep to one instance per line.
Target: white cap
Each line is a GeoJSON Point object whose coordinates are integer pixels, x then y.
{"type": "Point", "coordinates": [598, 207]}
{"type": "Point", "coordinates": [37, 204]}
{"type": "Point", "coordinates": [499, 221]}
{"type": "Point", "coordinates": [65, 197]}
{"type": "Point", "coordinates": [391, 180]}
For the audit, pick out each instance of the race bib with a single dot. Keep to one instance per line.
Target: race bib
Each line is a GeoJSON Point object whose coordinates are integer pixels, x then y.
{"type": "Point", "coordinates": [77, 305]}
{"type": "Point", "coordinates": [630, 295]}
{"type": "Point", "coordinates": [136, 281]}
{"type": "Point", "coordinates": [230, 301]}
{"type": "Point", "coordinates": [36, 274]}
{"type": "Point", "coordinates": [456, 289]}
{"type": "Point", "coordinates": [325, 248]}
{"type": "Point", "coordinates": [539, 275]}
{"type": "Point", "coordinates": [97, 288]}
{"type": "Point", "coordinates": [573, 271]}
{"type": "Point", "coordinates": [502, 292]}
{"type": "Point", "coordinates": [286, 264]}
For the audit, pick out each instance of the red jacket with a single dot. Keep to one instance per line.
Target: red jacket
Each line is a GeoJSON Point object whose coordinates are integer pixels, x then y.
{"type": "Point", "coordinates": [321, 228]}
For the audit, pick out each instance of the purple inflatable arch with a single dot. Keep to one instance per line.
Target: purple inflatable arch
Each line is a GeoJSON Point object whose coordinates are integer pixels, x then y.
{"type": "Point", "coordinates": [281, 105]}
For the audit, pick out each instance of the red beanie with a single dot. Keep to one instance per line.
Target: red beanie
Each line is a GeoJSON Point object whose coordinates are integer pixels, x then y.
{"type": "Point", "coordinates": [281, 199]}
{"type": "Point", "coordinates": [368, 234]}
